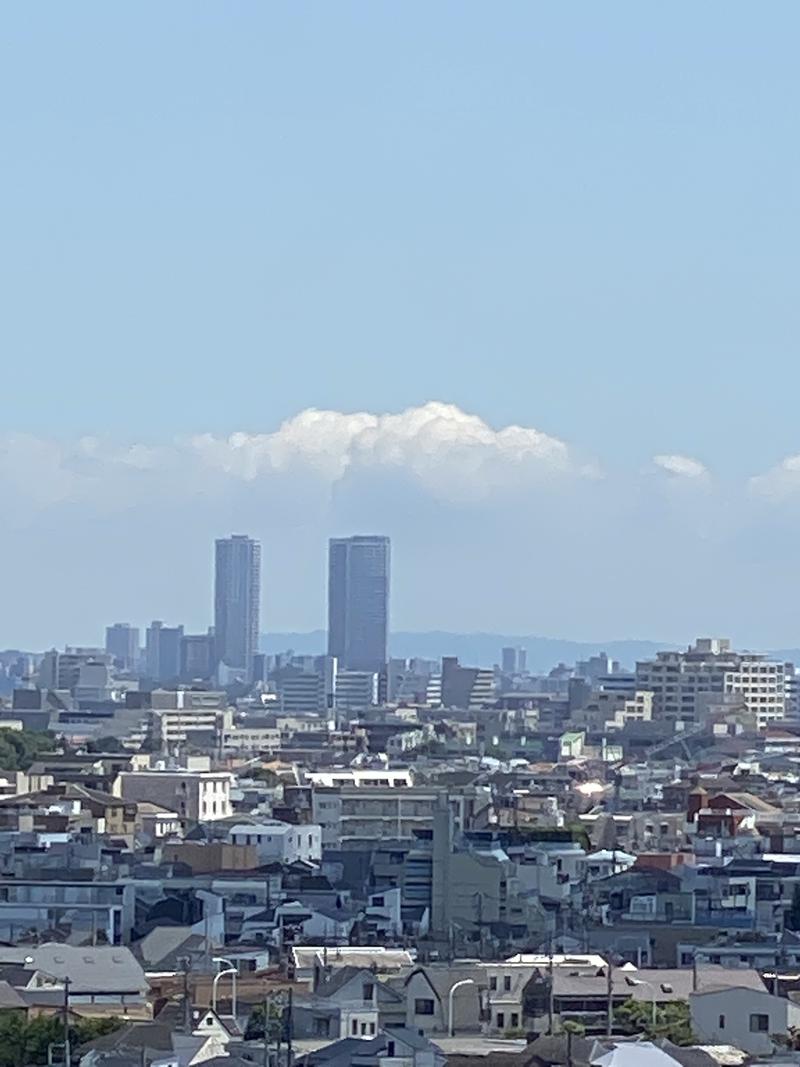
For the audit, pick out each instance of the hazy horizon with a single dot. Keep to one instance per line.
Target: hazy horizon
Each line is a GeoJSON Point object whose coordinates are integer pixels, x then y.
{"type": "Point", "coordinates": [516, 289]}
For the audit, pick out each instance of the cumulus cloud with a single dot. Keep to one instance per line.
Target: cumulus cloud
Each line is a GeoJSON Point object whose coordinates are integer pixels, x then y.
{"type": "Point", "coordinates": [449, 453]}
{"type": "Point", "coordinates": [681, 466]}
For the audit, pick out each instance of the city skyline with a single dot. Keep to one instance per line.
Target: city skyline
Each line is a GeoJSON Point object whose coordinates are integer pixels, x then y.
{"type": "Point", "coordinates": [197, 627]}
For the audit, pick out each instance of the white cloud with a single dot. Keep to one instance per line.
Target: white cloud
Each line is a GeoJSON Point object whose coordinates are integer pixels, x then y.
{"type": "Point", "coordinates": [779, 482]}
{"type": "Point", "coordinates": [447, 452]}
{"type": "Point", "coordinates": [681, 466]}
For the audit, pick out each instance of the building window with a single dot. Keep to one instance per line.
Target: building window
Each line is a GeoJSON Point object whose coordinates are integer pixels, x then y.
{"type": "Point", "coordinates": [423, 1007]}
{"type": "Point", "coordinates": [368, 992]}
{"type": "Point", "coordinates": [506, 983]}
{"type": "Point", "coordinates": [759, 1024]}
{"type": "Point", "coordinates": [493, 982]}
{"type": "Point", "coordinates": [501, 1020]}
{"type": "Point", "coordinates": [721, 1024]}
{"type": "Point", "coordinates": [514, 1020]}
{"type": "Point", "coordinates": [377, 902]}
{"type": "Point", "coordinates": [354, 1027]}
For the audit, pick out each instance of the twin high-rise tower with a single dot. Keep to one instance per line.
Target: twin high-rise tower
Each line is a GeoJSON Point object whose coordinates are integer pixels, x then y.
{"type": "Point", "coordinates": [237, 599]}
{"type": "Point", "coordinates": [358, 602]}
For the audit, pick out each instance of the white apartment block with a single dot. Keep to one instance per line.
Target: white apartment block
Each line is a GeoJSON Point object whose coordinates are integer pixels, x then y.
{"type": "Point", "coordinates": [245, 738]}
{"type": "Point", "coordinates": [280, 841]}
{"type": "Point", "coordinates": [197, 796]}
{"type": "Point", "coordinates": [177, 715]}
{"type": "Point", "coordinates": [690, 686]}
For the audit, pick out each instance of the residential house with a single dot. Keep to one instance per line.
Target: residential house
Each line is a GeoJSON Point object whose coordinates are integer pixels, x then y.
{"type": "Point", "coordinates": [105, 981]}
{"type": "Point", "coordinates": [401, 1047]}
{"type": "Point", "coordinates": [583, 997]}
{"type": "Point", "coordinates": [741, 1016]}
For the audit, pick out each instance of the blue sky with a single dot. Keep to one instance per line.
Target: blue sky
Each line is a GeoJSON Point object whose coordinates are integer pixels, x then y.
{"type": "Point", "coordinates": [579, 218]}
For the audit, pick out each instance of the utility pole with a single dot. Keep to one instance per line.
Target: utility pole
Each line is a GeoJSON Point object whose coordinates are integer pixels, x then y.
{"type": "Point", "coordinates": [265, 1004]}
{"type": "Point", "coordinates": [187, 1012]}
{"type": "Point", "coordinates": [279, 1034]}
{"type": "Point", "coordinates": [610, 998]}
{"type": "Point", "coordinates": [67, 1049]}
{"type": "Point", "coordinates": [289, 1029]}
{"type": "Point", "coordinates": [551, 992]}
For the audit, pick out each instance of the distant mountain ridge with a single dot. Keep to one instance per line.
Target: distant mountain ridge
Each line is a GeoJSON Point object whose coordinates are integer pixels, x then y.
{"type": "Point", "coordinates": [480, 649]}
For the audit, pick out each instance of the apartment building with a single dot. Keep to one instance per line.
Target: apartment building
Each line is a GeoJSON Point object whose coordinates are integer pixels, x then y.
{"type": "Point", "coordinates": [690, 687]}
{"type": "Point", "coordinates": [197, 796]}
{"type": "Point", "coordinates": [253, 734]}
{"type": "Point", "coordinates": [177, 716]}
{"type": "Point", "coordinates": [462, 687]}
{"type": "Point", "coordinates": [351, 816]}
{"type": "Point", "coordinates": [85, 908]}
{"type": "Point", "coordinates": [280, 841]}
{"type": "Point", "coordinates": [607, 711]}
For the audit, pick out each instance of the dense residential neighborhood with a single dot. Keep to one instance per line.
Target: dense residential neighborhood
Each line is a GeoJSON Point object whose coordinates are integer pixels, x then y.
{"type": "Point", "coordinates": [445, 865]}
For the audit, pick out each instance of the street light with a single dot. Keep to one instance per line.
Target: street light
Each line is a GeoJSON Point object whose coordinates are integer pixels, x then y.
{"type": "Point", "coordinates": [453, 988]}
{"type": "Point", "coordinates": [651, 987]}
{"type": "Point", "coordinates": [229, 970]}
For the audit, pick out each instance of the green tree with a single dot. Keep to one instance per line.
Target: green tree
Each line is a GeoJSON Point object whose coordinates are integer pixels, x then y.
{"type": "Point", "coordinates": [265, 775]}
{"type": "Point", "coordinates": [25, 1042]}
{"type": "Point", "coordinates": [572, 1030]}
{"type": "Point", "coordinates": [673, 1020]}
{"type": "Point", "coordinates": [19, 748]}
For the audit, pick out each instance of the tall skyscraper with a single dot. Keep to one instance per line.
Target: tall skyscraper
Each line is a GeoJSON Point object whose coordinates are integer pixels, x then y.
{"type": "Point", "coordinates": [358, 602]}
{"type": "Point", "coordinates": [122, 641]}
{"type": "Point", "coordinates": [237, 595]}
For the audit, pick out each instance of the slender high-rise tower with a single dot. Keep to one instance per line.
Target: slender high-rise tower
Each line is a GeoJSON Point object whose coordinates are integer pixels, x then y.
{"type": "Point", "coordinates": [358, 602]}
{"type": "Point", "coordinates": [237, 594]}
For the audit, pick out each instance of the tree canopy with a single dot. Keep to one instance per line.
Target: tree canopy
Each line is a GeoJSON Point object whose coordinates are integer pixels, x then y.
{"type": "Point", "coordinates": [673, 1021]}
{"type": "Point", "coordinates": [25, 1042]}
{"type": "Point", "coordinates": [20, 748]}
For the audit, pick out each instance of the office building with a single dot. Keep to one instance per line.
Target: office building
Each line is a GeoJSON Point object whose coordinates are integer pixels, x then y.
{"type": "Point", "coordinates": [162, 653]}
{"type": "Point", "coordinates": [62, 670]}
{"type": "Point", "coordinates": [197, 655]}
{"type": "Point", "coordinates": [122, 642]}
{"type": "Point", "coordinates": [237, 593]}
{"type": "Point", "coordinates": [301, 692]}
{"type": "Point", "coordinates": [356, 690]}
{"type": "Point", "coordinates": [596, 667]}
{"type": "Point", "coordinates": [358, 602]}
{"type": "Point", "coordinates": [508, 661]}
